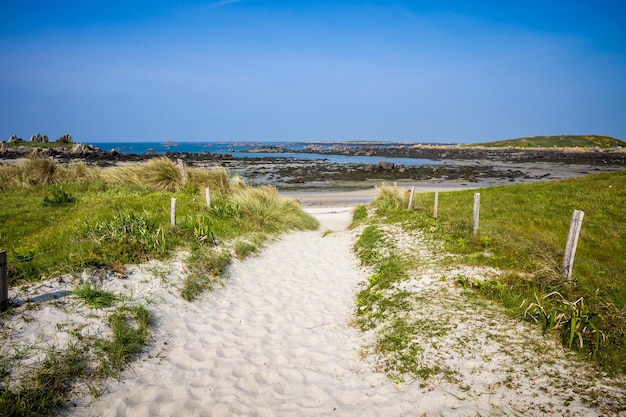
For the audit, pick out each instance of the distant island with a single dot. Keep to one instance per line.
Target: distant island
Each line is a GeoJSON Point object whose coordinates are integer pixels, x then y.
{"type": "Point", "coordinates": [565, 141]}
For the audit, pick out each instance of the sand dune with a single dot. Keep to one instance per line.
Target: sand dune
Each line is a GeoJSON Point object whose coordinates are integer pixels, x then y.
{"type": "Point", "coordinates": [277, 341]}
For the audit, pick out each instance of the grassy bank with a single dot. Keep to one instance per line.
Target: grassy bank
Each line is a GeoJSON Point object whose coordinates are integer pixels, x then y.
{"type": "Point", "coordinates": [523, 230]}
{"type": "Point", "coordinates": [58, 220]}
{"type": "Point", "coordinates": [564, 141]}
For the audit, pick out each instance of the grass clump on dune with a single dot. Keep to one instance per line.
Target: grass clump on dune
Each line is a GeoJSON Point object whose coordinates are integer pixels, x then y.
{"type": "Point", "coordinates": [523, 230]}
{"type": "Point", "coordinates": [263, 209]}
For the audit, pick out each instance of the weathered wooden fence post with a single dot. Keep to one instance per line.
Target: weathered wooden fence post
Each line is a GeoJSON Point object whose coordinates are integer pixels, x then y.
{"type": "Point", "coordinates": [572, 242]}
{"type": "Point", "coordinates": [436, 208]}
{"type": "Point", "coordinates": [181, 168]}
{"type": "Point", "coordinates": [476, 211]}
{"type": "Point", "coordinates": [411, 198]}
{"type": "Point", "coordinates": [4, 285]}
{"type": "Point", "coordinates": [207, 193]}
{"type": "Point", "coordinates": [395, 184]}
{"type": "Point", "coordinates": [173, 212]}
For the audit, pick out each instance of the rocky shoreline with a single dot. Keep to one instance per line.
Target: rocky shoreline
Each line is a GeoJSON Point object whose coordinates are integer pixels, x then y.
{"type": "Point", "coordinates": [89, 153]}
{"type": "Point", "coordinates": [92, 154]}
{"type": "Point", "coordinates": [465, 165]}
{"type": "Point", "coordinates": [460, 152]}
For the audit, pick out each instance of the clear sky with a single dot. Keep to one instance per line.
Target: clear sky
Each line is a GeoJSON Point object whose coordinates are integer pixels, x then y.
{"type": "Point", "coordinates": [235, 70]}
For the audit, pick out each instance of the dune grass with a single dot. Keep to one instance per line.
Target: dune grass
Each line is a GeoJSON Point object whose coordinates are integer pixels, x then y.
{"type": "Point", "coordinates": [523, 230]}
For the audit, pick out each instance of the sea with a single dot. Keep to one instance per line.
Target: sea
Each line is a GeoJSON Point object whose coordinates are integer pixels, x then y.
{"type": "Point", "coordinates": [238, 150]}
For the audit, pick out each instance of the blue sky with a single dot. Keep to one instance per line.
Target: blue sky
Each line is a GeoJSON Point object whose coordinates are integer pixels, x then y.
{"type": "Point", "coordinates": [414, 71]}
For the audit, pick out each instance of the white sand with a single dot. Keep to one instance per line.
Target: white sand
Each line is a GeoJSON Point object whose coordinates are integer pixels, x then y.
{"type": "Point", "coordinates": [277, 341]}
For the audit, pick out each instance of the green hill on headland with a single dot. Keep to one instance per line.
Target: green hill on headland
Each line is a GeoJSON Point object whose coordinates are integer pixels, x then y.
{"type": "Point", "coordinates": [565, 141]}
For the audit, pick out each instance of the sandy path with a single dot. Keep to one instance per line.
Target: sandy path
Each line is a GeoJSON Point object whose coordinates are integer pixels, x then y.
{"type": "Point", "coordinates": [275, 341]}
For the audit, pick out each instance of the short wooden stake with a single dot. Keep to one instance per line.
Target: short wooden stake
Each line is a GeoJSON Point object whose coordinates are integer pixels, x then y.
{"type": "Point", "coordinates": [411, 198]}
{"type": "Point", "coordinates": [436, 208]}
{"type": "Point", "coordinates": [181, 168]}
{"type": "Point", "coordinates": [572, 242]}
{"type": "Point", "coordinates": [4, 285]}
{"type": "Point", "coordinates": [173, 212]}
{"type": "Point", "coordinates": [395, 184]}
{"type": "Point", "coordinates": [207, 193]}
{"type": "Point", "coordinates": [476, 211]}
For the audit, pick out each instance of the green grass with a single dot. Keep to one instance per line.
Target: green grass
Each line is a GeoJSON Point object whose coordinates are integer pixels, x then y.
{"type": "Point", "coordinates": [130, 327]}
{"type": "Point", "coordinates": [564, 141]}
{"type": "Point", "coordinates": [206, 265]}
{"type": "Point", "coordinates": [523, 230]}
{"type": "Point", "coordinates": [95, 297]}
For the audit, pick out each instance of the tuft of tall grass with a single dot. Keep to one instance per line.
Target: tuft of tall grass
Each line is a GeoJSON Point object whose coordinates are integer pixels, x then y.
{"type": "Point", "coordinates": [162, 175]}
{"type": "Point", "coordinates": [158, 174]}
{"type": "Point", "coordinates": [40, 170]}
{"type": "Point", "coordinates": [79, 172]}
{"type": "Point", "coordinates": [263, 208]}
{"type": "Point", "coordinates": [393, 198]}
{"type": "Point", "coordinates": [35, 170]}
{"type": "Point", "coordinates": [217, 179]}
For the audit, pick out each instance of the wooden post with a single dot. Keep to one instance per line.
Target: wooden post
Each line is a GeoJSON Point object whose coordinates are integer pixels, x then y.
{"type": "Point", "coordinates": [476, 211]}
{"type": "Point", "coordinates": [572, 242]}
{"type": "Point", "coordinates": [181, 168]}
{"type": "Point", "coordinates": [411, 198]}
{"type": "Point", "coordinates": [173, 212]}
{"type": "Point", "coordinates": [395, 184]}
{"type": "Point", "coordinates": [207, 193]}
{"type": "Point", "coordinates": [4, 285]}
{"type": "Point", "coordinates": [436, 204]}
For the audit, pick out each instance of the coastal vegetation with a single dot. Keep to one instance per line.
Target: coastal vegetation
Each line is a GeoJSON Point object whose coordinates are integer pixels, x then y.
{"type": "Point", "coordinates": [64, 219]}
{"type": "Point", "coordinates": [564, 141]}
{"type": "Point", "coordinates": [522, 235]}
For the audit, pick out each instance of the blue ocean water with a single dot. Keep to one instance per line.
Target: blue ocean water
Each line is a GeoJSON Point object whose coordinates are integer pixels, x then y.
{"type": "Point", "coordinates": [237, 151]}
